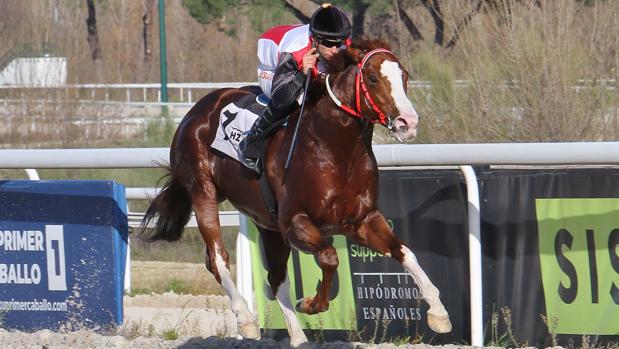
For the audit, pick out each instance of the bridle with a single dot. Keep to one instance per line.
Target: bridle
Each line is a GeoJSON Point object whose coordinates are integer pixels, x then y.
{"type": "Point", "coordinates": [383, 119]}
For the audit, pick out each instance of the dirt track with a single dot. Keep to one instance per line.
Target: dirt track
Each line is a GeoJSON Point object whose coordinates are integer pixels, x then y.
{"type": "Point", "coordinates": [203, 321]}
{"type": "Point", "coordinates": [147, 317]}
{"type": "Point", "coordinates": [87, 339]}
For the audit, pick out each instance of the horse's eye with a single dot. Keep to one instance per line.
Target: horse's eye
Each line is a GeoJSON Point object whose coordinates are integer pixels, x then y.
{"type": "Point", "coordinates": [373, 79]}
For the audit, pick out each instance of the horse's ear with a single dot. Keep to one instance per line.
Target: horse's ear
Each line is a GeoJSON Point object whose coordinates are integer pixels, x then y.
{"type": "Point", "coordinates": [355, 54]}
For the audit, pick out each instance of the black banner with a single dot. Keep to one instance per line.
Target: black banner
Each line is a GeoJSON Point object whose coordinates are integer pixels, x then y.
{"type": "Point", "coordinates": [519, 210]}
{"type": "Point", "coordinates": [550, 245]}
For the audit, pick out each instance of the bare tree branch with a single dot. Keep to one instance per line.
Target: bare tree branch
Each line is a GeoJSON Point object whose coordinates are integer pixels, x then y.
{"type": "Point", "coordinates": [91, 27]}
{"type": "Point", "coordinates": [408, 22]}
{"type": "Point", "coordinates": [302, 9]}
{"type": "Point", "coordinates": [502, 9]}
{"type": "Point", "coordinates": [93, 41]}
{"type": "Point", "coordinates": [437, 17]}
{"type": "Point", "coordinates": [147, 40]}
{"type": "Point", "coordinates": [460, 26]}
{"type": "Point", "coordinates": [358, 18]}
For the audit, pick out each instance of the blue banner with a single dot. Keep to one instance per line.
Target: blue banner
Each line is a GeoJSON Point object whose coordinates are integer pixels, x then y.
{"type": "Point", "coordinates": [63, 247]}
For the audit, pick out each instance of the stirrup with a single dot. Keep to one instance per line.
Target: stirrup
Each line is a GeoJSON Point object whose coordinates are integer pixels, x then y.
{"type": "Point", "coordinates": [251, 164]}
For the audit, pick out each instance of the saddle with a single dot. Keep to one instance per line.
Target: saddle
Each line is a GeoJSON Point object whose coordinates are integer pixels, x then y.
{"type": "Point", "coordinates": [235, 120]}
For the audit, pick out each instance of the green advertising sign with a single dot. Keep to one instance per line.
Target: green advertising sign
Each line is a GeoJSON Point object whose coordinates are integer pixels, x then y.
{"type": "Point", "coordinates": [579, 257]}
{"type": "Point", "coordinates": [341, 314]}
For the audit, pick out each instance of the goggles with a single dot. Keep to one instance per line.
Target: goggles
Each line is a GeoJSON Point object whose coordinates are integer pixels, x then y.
{"type": "Point", "coordinates": [327, 42]}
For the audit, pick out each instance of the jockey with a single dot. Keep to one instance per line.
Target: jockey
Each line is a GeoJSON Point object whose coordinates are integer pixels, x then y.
{"type": "Point", "coordinates": [286, 55]}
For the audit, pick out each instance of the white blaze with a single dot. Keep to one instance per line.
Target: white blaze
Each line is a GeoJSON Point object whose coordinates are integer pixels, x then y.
{"type": "Point", "coordinates": [393, 73]}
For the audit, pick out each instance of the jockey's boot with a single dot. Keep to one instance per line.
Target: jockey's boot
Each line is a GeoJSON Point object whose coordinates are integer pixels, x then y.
{"type": "Point", "coordinates": [251, 145]}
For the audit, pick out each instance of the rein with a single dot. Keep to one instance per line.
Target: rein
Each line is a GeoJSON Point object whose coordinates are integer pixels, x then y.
{"type": "Point", "coordinates": [360, 86]}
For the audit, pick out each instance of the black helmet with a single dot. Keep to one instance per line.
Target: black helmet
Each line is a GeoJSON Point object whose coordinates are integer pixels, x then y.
{"type": "Point", "coordinates": [330, 23]}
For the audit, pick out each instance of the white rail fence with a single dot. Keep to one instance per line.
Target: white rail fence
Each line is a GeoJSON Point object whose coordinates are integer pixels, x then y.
{"type": "Point", "coordinates": [461, 155]}
{"type": "Point", "coordinates": [182, 94]}
{"type": "Point", "coordinates": [185, 94]}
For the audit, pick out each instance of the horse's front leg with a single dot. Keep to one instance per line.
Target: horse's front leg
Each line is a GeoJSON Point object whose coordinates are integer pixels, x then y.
{"type": "Point", "coordinates": [376, 234]}
{"type": "Point", "coordinates": [304, 235]}
{"type": "Point", "coordinates": [276, 254]}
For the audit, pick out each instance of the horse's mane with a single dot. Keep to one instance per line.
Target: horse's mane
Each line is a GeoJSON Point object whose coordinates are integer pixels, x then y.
{"type": "Point", "coordinates": [353, 53]}
{"type": "Point", "coordinates": [369, 44]}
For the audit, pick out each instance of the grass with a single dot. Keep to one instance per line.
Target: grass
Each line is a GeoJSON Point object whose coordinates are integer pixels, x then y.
{"type": "Point", "coordinates": [187, 278]}
{"type": "Point", "coordinates": [170, 334]}
{"type": "Point", "coordinates": [173, 333]}
{"type": "Point", "coordinates": [177, 286]}
{"type": "Point", "coordinates": [133, 330]}
{"type": "Point", "coordinates": [551, 324]}
{"type": "Point", "coordinates": [140, 290]}
{"type": "Point", "coordinates": [401, 340]}
{"type": "Point", "coordinates": [189, 249]}
{"type": "Point", "coordinates": [501, 332]}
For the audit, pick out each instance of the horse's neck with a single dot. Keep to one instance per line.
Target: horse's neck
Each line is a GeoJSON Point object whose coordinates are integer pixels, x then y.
{"type": "Point", "coordinates": [334, 127]}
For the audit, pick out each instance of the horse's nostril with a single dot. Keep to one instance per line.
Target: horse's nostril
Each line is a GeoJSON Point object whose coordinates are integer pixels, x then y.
{"type": "Point", "coordinates": [401, 124]}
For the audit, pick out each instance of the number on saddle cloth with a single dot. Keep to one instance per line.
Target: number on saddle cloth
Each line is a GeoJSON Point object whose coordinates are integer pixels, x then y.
{"type": "Point", "coordinates": [235, 120]}
{"type": "Point", "coordinates": [249, 107]}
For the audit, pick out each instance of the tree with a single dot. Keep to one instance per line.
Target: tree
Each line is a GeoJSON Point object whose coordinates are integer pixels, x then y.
{"type": "Point", "coordinates": [302, 9]}
{"type": "Point", "coordinates": [408, 22]}
{"type": "Point", "coordinates": [206, 11]}
{"type": "Point", "coordinates": [501, 8]}
{"type": "Point", "coordinates": [93, 40]}
{"type": "Point", "coordinates": [439, 24]}
{"type": "Point", "coordinates": [360, 10]}
{"type": "Point", "coordinates": [147, 40]}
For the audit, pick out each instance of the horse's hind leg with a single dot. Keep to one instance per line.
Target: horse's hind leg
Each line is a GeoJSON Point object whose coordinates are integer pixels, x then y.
{"type": "Point", "coordinates": [276, 254]}
{"type": "Point", "coordinates": [217, 258]}
{"type": "Point", "coordinates": [376, 234]}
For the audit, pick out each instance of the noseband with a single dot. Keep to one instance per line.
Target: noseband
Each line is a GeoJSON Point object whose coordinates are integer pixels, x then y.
{"type": "Point", "coordinates": [383, 119]}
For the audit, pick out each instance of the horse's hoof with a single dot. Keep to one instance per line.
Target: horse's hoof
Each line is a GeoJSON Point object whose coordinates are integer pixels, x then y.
{"type": "Point", "coordinates": [298, 341]}
{"type": "Point", "coordinates": [439, 323]}
{"type": "Point", "coordinates": [309, 306]}
{"type": "Point", "coordinates": [249, 330]}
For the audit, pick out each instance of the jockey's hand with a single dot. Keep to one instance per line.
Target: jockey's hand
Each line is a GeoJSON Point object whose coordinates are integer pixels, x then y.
{"type": "Point", "coordinates": [309, 60]}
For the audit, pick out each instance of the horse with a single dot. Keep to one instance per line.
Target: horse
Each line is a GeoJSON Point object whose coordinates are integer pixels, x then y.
{"type": "Point", "coordinates": [329, 188]}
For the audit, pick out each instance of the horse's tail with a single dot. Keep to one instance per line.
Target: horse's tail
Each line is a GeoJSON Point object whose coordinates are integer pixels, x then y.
{"type": "Point", "coordinates": [172, 207]}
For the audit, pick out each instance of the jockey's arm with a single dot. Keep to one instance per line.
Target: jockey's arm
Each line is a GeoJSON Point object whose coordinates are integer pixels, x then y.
{"type": "Point", "coordinates": [288, 82]}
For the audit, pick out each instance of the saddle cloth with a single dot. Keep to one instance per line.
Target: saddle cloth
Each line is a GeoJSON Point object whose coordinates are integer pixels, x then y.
{"type": "Point", "coordinates": [235, 120]}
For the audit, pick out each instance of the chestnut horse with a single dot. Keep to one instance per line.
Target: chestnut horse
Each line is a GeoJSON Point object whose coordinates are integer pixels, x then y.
{"type": "Point", "coordinates": [331, 186]}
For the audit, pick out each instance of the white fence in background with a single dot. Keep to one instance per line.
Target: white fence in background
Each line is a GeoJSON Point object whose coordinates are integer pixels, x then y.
{"type": "Point", "coordinates": [185, 94]}
{"type": "Point", "coordinates": [462, 155]}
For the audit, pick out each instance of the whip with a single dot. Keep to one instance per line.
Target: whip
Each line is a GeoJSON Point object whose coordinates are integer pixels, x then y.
{"type": "Point", "coordinates": [296, 128]}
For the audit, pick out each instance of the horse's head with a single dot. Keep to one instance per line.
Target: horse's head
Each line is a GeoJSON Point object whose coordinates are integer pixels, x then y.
{"type": "Point", "coordinates": [380, 89]}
